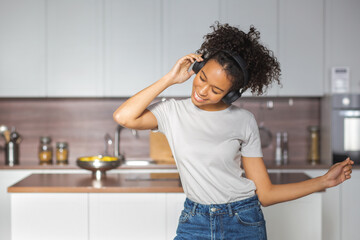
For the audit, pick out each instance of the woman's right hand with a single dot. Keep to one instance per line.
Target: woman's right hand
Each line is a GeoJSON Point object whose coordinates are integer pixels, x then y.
{"type": "Point", "coordinates": [180, 71]}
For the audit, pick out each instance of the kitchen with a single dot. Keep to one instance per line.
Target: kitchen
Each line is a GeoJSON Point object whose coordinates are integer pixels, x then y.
{"type": "Point", "coordinates": [66, 66]}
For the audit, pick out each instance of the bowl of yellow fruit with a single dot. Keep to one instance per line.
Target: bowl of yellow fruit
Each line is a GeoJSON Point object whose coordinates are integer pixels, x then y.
{"type": "Point", "coordinates": [98, 164]}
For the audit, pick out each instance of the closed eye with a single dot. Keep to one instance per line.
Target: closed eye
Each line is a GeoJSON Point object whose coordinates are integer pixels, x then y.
{"type": "Point", "coordinates": [203, 80]}
{"type": "Point", "coordinates": [215, 92]}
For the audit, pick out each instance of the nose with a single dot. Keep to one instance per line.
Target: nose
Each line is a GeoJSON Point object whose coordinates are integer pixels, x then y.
{"type": "Point", "coordinates": [203, 91]}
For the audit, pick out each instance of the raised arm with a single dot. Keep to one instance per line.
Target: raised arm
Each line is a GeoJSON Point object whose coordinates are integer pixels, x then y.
{"type": "Point", "coordinates": [270, 194]}
{"type": "Point", "coordinates": [133, 113]}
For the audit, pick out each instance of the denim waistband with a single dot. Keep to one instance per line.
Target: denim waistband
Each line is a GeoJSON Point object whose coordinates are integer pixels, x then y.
{"type": "Point", "coordinates": [226, 208]}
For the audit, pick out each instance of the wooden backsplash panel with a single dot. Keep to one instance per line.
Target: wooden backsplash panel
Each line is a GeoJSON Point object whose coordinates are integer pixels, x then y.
{"type": "Point", "coordinates": [84, 122]}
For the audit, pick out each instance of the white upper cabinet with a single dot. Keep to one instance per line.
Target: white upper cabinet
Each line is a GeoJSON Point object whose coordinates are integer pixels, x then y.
{"type": "Point", "coordinates": [301, 47]}
{"type": "Point", "coordinates": [342, 40]}
{"type": "Point", "coordinates": [74, 48]}
{"type": "Point", "coordinates": [244, 13]}
{"type": "Point", "coordinates": [184, 25]}
{"type": "Point", "coordinates": [115, 48]}
{"type": "Point", "coordinates": [22, 53]}
{"type": "Point", "coordinates": [132, 33]}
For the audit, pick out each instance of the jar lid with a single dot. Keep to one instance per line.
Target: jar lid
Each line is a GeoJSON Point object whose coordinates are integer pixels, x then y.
{"type": "Point", "coordinates": [45, 140]}
{"type": "Point", "coordinates": [314, 128]}
{"type": "Point", "coordinates": [61, 144]}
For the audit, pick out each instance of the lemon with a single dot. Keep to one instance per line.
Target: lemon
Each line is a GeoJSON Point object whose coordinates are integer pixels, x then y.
{"type": "Point", "coordinates": [101, 158]}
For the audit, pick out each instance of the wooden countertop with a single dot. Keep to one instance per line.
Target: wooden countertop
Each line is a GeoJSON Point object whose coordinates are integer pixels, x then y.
{"type": "Point", "coordinates": [35, 166]}
{"type": "Point", "coordinates": [113, 183]}
{"type": "Point", "coordinates": [118, 183]}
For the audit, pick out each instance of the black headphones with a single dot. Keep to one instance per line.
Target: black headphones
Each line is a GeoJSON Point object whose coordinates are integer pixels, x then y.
{"type": "Point", "coordinates": [231, 96]}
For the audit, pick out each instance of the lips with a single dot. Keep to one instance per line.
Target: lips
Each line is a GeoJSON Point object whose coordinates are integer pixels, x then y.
{"type": "Point", "coordinates": [197, 98]}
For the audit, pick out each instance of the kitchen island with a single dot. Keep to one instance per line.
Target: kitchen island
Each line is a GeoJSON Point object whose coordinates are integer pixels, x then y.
{"type": "Point", "coordinates": [133, 206]}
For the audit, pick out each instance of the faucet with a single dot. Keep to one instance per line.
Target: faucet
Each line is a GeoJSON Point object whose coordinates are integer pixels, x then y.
{"type": "Point", "coordinates": [117, 141]}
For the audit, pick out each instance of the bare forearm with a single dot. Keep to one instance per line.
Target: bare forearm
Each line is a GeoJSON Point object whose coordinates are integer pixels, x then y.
{"type": "Point", "coordinates": [136, 105]}
{"type": "Point", "coordinates": [133, 114]}
{"type": "Point", "coordinates": [269, 194]}
{"type": "Point", "coordinates": [285, 192]}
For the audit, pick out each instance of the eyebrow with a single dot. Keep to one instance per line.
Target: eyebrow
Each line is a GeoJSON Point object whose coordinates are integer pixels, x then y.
{"type": "Point", "coordinates": [213, 85]}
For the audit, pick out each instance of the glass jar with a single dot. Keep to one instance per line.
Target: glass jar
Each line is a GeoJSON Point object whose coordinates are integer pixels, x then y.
{"type": "Point", "coordinates": [314, 151]}
{"type": "Point", "coordinates": [45, 151]}
{"type": "Point", "coordinates": [62, 153]}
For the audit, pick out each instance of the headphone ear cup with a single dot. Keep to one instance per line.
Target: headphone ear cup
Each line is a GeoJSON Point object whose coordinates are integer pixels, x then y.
{"type": "Point", "coordinates": [198, 65]}
{"type": "Point", "coordinates": [231, 97]}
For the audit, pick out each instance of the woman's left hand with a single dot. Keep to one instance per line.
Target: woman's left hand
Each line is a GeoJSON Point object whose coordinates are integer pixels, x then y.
{"type": "Point", "coordinates": [338, 173]}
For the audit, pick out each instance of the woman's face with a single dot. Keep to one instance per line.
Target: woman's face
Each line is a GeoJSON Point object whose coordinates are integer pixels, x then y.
{"type": "Point", "coordinates": [210, 85]}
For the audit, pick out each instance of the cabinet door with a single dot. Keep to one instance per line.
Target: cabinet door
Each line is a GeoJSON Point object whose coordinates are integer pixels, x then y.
{"type": "Point", "coordinates": [330, 211]}
{"type": "Point", "coordinates": [350, 210]}
{"type": "Point", "coordinates": [8, 178]}
{"type": "Point", "coordinates": [301, 49]}
{"type": "Point", "coordinates": [174, 206]}
{"type": "Point", "coordinates": [296, 220]}
{"type": "Point", "coordinates": [22, 53]}
{"type": "Point", "coordinates": [49, 216]}
{"type": "Point", "coordinates": [130, 216]}
{"type": "Point", "coordinates": [132, 45]}
{"type": "Point", "coordinates": [243, 13]}
{"type": "Point", "coordinates": [342, 40]}
{"type": "Point", "coordinates": [74, 48]}
{"type": "Point", "coordinates": [184, 25]}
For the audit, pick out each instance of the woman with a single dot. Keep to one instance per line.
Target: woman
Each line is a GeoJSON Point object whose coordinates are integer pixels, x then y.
{"type": "Point", "coordinates": [210, 138]}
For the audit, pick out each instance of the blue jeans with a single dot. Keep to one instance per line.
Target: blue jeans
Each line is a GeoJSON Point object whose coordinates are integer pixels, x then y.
{"type": "Point", "coordinates": [237, 220]}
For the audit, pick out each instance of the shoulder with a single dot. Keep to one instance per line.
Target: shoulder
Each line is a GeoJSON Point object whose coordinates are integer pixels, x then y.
{"type": "Point", "coordinates": [238, 111]}
{"type": "Point", "coordinates": [162, 103]}
{"type": "Point", "coordinates": [178, 103]}
{"type": "Point", "coordinates": [167, 105]}
{"type": "Point", "coordinates": [245, 118]}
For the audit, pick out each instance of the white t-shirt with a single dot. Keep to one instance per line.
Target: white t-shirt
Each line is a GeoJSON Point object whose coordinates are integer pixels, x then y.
{"type": "Point", "coordinates": [207, 147]}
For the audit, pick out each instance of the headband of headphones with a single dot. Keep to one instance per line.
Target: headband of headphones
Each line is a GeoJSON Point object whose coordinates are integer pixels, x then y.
{"type": "Point", "coordinates": [241, 63]}
{"type": "Point", "coordinates": [231, 96]}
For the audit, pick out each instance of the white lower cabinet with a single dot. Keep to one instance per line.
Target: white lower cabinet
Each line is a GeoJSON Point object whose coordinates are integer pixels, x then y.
{"type": "Point", "coordinates": [174, 206]}
{"type": "Point", "coordinates": [340, 208]}
{"type": "Point", "coordinates": [330, 209]}
{"type": "Point", "coordinates": [103, 216]}
{"type": "Point", "coordinates": [8, 178]}
{"type": "Point", "coordinates": [127, 216]}
{"type": "Point", "coordinates": [350, 210]}
{"type": "Point", "coordinates": [330, 215]}
{"type": "Point", "coordinates": [134, 216]}
{"type": "Point", "coordinates": [49, 216]}
{"type": "Point", "coordinates": [296, 220]}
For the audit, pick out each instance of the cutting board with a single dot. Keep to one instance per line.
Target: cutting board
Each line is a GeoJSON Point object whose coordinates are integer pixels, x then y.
{"type": "Point", "coordinates": [164, 175]}
{"type": "Point", "coordinates": [160, 150]}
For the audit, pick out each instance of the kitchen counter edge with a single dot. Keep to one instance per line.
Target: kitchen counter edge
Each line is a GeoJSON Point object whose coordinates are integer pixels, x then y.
{"type": "Point", "coordinates": [156, 166]}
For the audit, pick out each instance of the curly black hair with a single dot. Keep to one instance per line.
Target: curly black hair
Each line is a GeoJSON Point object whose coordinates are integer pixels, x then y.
{"type": "Point", "coordinates": [262, 66]}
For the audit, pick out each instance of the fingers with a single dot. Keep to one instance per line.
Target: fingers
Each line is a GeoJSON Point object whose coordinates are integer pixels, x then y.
{"type": "Point", "coordinates": [194, 57]}
{"type": "Point", "coordinates": [348, 174]}
{"type": "Point", "coordinates": [347, 161]}
{"type": "Point", "coordinates": [190, 59]}
{"type": "Point", "coordinates": [197, 57]}
{"type": "Point", "coordinates": [348, 168]}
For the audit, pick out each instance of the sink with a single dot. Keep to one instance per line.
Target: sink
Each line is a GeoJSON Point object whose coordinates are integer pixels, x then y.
{"type": "Point", "coordinates": [138, 162]}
